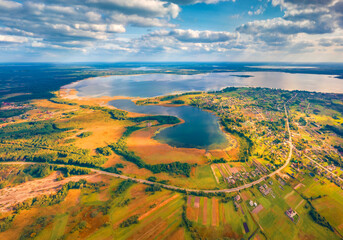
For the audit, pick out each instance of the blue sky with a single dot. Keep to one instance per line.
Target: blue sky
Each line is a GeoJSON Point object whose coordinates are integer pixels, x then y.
{"type": "Point", "coordinates": [171, 30]}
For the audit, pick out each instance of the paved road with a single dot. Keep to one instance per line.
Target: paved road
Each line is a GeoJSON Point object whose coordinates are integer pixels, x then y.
{"type": "Point", "coordinates": [248, 185]}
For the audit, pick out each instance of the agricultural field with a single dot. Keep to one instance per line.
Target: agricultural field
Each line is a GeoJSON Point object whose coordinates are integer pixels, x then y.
{"type": "Point", "coordinates": [215, 219]}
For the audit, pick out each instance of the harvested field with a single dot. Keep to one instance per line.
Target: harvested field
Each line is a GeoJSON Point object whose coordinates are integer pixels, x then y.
{"type": "Point", "coordinates": [216, 173]}
{"type": "Point", "coordinates": [221, 170]}
{"type": "Point", "coordinates": [215, 212]}
{"type": "Point", "coordinates": [257, 209]}
{"type": "Point", "coordinates": [158, 207]}
{"type": "Point", "coordinates": [233, 170]}
{"type": "Point", "coordinates": [196, 202]}
{"type": "Point", "coordinates": [179, 234]}
{"type": "Point", "coordinates": [150, 230]}
{"type": "Point", "coordinates": [204, 212]}
{"type": "Point", "coordinates": [299, 185]}
{"type": "Point", "coordinates": [222, 218]}
{"type": "Point", "coordinates": [225, 169]}
{"type": "Point", "coordinates": [189, 200]}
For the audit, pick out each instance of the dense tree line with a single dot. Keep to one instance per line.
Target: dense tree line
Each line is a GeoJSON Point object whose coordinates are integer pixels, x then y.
{"type": "Point", "coordinates": [334, 129]}
{"type": "Point", "coordinates": [177, 102]}
{"type": "Point", "coordinates": [115, 113]}
{"type": "Point", "coordinates": [51, 156]}
{"type": "Point", "coordinates": [316, 217]}
{"type": "Point", "coordinates": [130, 221]}
{"type": "Point", "coordinates": [319, 219]}
{"type": "Point", "coordinates": [39, 170]}
{"type": "Point", "coordinates": [72, 170]}
{"type": "Point", "coordinates": [170, 97]}
{"type": "Point", "coordinates": [245, 143]}
{"type": "Point", "coordinates": [153, 188]}
{"type": "Point", "coordinates": [33, 130]}
{"type": "Point", "coordinates": [219, 160]}
{"type": "Point", "coordinates": [12, 112]}
{"type": "Point", "coordinates": [62, 101]}
{"type": "Point", "coordinates": [159, 118]}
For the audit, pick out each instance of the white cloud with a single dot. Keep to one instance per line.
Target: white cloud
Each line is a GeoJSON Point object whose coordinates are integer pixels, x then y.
{"type": "Point", "coordinates": [83, 21]}
{"type": "Point", "coordinates": [12, 39]}
{"type": "Point", "coordinates": [9, 5]}
{"type": "Point", "coordinates": [194, 36]}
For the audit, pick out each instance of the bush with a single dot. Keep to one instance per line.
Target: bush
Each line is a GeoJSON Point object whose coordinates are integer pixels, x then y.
{"type": "Point", "coordinates": [115, 113]}
{"type": "Point", "coordinates": [84, 134]}
{"type": "Point", "coordinates": [219, 160]}
{"type": "Point", "coordinates": [178, 102]}
{"type": "Point", "coordinates": [152, 179]}
{"type": "Point", "coordinates": [39, 170]}
{"type": "Point", "coordinates": [106, 151]}
{"type": "Point", "coordinates": [123, 186]}
{"type": "Point", "coordinates": [152, 189]}
{"type": "Point", "coordinates": [128, 222]}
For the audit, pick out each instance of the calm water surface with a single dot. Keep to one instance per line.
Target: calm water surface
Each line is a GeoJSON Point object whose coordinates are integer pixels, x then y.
{"type": "Point", "coordinates": [200, 130]}
{"type": "Point", "coordinates": [150, 85]}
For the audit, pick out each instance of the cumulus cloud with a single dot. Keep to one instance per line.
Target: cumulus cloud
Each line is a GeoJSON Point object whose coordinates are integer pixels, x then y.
{"type": "Point", "coordinates": [189, 2]}
{"type": "Point", "coordinates": [194, 36]}
{"type": "Point", "coordinates": [146, 8]}
{"type": "Point", "coordinates": [90, 26]}
{"type": "Point", "coordinates": [305, 18]}
{"type": "Point", "coordinates": [58, 23]}
{"type": "Point", "coordinates": [280, 25]}
{"type": "Point", "coordinates": [12, 39]}
{"type": "Point", "coordinates": [185, 41]}
{"type": "Point", "coordinates": [9, 5]}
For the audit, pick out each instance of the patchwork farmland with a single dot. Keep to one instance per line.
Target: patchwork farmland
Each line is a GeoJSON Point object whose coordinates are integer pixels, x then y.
{"type": "Point", "coordinates": [214, 218]}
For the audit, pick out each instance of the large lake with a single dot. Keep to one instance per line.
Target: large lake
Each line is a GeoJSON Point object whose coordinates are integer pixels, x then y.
{"type": "Point", "coordinates": [150, 85]}
{"type": "Point", "coordinates": [200, 130]}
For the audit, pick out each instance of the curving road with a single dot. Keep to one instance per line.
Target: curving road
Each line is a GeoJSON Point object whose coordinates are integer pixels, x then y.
{"type": "Point", "coordinates": [171, 187]}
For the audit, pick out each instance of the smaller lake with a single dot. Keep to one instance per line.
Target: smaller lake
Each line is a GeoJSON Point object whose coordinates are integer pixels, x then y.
{"type": "Point", "coordinates": [200, 130]}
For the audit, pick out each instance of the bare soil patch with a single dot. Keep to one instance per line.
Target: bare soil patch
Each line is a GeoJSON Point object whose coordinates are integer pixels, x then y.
{"type": "Point", "coordinates": [215, 212]}
{"type": "Point", "coordinates": [48, 185]}
{"type": "Point", "coordinates": [257, 209]}
{"type": "Point", "coordinates": [204, 212]}
{"type": "Point", "coordinates": [196, 202]}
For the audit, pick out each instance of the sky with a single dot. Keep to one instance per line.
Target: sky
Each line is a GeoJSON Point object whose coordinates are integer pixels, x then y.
{"type": "Point", "coordinates": [171, 30]}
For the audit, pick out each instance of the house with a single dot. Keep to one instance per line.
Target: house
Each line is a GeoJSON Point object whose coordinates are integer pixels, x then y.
{"type": "Point", "coordinates": [265, 190]}
{"type": "Point", "coordinates": [237, 198]}
{"type": "Point", "coordinates": [291, 213]}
